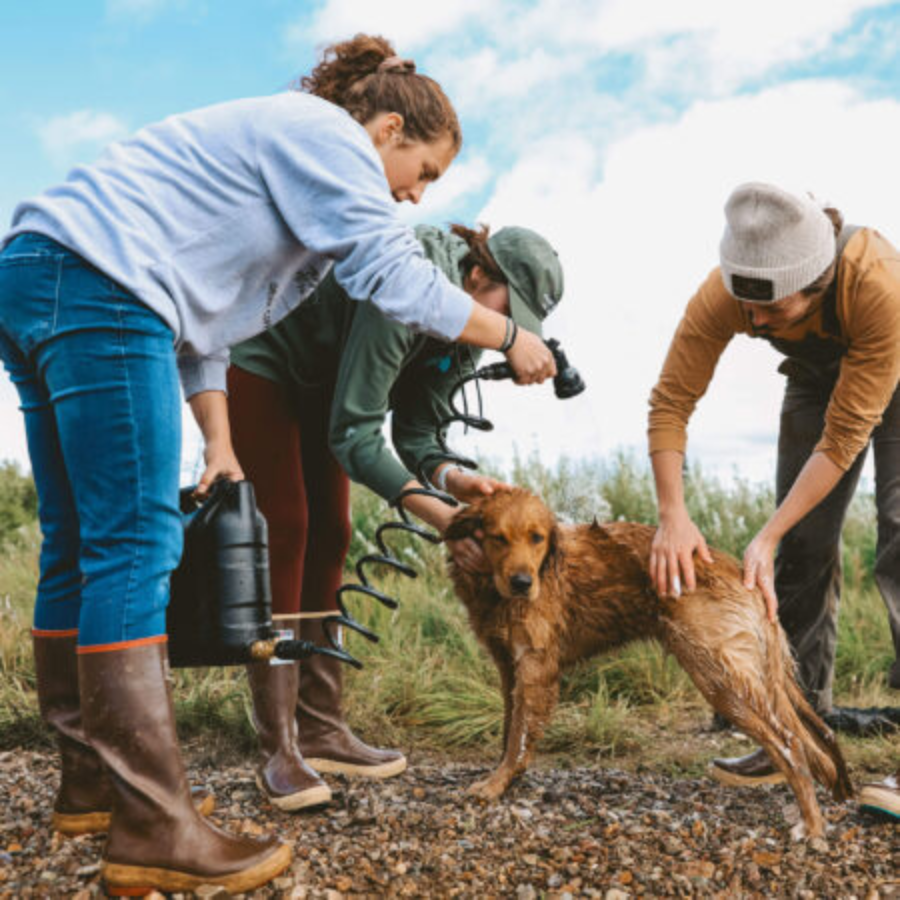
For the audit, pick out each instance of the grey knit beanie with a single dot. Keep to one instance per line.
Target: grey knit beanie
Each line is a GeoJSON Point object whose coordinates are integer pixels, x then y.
{"type": "Point", "coordinates": [774, 244]}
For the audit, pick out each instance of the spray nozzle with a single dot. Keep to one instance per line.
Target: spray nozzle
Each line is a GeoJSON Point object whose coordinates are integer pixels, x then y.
{"type": "Point", "coordinates": [566, 383]}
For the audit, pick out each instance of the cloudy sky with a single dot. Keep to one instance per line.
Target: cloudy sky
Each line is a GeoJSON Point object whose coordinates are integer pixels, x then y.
{"type": "Point", "coordinates": [616, 128]}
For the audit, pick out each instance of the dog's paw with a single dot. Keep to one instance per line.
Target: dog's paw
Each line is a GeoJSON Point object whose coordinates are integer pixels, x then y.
{"type": "Point", "coordinates": [488, 789]}
{"type": "Point", "coordinates": [816, 840]}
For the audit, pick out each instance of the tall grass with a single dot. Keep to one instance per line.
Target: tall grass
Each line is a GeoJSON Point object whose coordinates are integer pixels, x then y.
{"type": "Point", "coordinates": [18, 575]}
{"type": "Point", "coordinates": [428, 683]}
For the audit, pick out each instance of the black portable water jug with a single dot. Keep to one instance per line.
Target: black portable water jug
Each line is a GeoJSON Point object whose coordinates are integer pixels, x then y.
{"type": "Point", "coordinates": [221, 602]}
{"type": "Point", "coordinates": [220, 610]}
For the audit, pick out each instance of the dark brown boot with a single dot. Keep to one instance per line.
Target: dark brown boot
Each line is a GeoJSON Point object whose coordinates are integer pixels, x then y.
{"type": "Point", "coordinates": [282, 775]}
{"type": "Point", "coordinates": [325, 739]}
{"type": "Point", "coordinates": [156, 838]}
{"type": "Point", "coordinates": [84, 800]}
{"type": "Point", "coordinates": [746, 771]}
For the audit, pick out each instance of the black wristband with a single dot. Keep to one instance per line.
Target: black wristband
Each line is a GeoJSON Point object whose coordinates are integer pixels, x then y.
{"type": "Point", "coordinates": [512, 332]}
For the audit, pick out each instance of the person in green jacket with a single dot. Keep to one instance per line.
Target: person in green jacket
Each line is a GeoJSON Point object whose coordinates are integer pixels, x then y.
{"type": "Point", "coordinates": [307, 402]}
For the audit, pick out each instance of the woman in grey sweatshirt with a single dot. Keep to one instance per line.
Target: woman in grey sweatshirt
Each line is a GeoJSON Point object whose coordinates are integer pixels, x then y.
{"type": "Point", "coordinates": [196, 233]}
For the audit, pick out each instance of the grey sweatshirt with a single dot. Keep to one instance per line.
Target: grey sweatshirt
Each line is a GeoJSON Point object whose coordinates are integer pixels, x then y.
{"type": "Point", "coordinates": [224, 219]}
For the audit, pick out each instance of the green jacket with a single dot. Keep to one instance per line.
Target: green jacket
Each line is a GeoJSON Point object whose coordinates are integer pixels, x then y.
{"type": "Point", "coordinates": [371, 365]}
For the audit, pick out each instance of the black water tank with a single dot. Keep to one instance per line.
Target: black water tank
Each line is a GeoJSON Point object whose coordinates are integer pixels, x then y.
{"type": "Point", "coordinates": [221, 601]}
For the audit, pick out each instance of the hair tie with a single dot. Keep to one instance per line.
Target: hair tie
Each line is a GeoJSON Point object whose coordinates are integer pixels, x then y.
{"type": "Point", "coordinates": [397, 64]}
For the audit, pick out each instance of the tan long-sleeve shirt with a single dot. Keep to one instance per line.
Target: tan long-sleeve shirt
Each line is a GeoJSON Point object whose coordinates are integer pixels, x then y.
{"type": "Point", "coordinates": [867, 341]}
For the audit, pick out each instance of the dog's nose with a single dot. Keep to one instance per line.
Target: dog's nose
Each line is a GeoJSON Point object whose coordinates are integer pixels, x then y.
{"type": "Point", "coordinates": [520, 582]}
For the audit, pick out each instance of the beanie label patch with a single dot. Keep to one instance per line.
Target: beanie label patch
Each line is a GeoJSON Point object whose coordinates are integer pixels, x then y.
{"type": "Point", "coordinates": [759, 290]}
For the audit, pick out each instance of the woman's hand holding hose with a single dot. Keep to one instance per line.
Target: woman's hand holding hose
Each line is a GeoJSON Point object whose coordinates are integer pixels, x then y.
{"type": "Point", "coordinates": [530, 359]}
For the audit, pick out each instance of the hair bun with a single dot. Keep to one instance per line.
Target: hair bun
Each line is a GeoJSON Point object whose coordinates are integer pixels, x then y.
{"type": "Point", "coordinates": [397, 64]}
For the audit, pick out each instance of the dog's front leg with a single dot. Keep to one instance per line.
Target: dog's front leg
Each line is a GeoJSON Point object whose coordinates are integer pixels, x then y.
{"type": "Point", "coordinates": [506, 668]}
{"type": "Point", "coordinates": [534, 696]}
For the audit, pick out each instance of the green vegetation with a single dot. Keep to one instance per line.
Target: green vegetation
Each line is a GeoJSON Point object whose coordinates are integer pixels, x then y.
{"type": "Point", "coordinates": [428, 684]}
{"type": "Point", "coordinates": [18, 502]}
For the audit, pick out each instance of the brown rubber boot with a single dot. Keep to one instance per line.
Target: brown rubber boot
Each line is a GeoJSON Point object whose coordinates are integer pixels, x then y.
{"type": "Point", "coordinates": [282, 775]}
{"type": "Point", "coordinates": [325, 739]}
{"type": "Point", "coordinates": [746, 771]}
{"type": "Point", "coordinates": [84, 799]}
{"type": "Point", "coordinates": [157, 841]}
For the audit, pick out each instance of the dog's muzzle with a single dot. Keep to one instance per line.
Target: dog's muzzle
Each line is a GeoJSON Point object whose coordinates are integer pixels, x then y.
{"type": "Point", "coordinates": [520, 583]}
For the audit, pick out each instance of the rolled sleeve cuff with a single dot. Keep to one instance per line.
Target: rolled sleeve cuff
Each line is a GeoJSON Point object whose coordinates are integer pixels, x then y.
{"type": "Point", "coordinates": [666, 440]}
{"type": "Point", "coordinates": [388, 479]}
{"type": "Point", "coordinates": [202, 373]}
{"type": "Point", "coordinates": [451, 318]}
{"type": "Point", "coordinates": [843, 455]}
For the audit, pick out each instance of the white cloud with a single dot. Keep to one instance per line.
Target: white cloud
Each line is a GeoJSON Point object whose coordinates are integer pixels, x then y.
{"type": "Point", "coordinates": [409, 24]}
{"type": "Point", "coordinates": [731, 41]}
{"type": "Point", "coordinates": [485, 77]}
{"type": "Point", "coordinates": [637, 229]}
{"type": "Point", "coordinates": [79, 135]}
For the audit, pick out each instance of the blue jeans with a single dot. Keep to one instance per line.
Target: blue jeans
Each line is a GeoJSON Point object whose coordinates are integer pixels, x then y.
{"type": "Point", "coordinates": [96, 375]}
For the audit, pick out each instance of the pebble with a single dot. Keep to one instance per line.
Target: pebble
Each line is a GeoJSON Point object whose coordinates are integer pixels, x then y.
{"type": "Point", "coordinates": [212, 892]}
{"type": "Point", "coordinates": [580, 832]}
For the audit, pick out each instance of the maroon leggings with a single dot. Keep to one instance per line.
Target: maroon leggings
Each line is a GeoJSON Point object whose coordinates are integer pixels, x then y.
{"type": "Point", "coordinates": [282, 446]}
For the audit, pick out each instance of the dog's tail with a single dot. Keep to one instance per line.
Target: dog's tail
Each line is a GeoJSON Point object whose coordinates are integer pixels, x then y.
{"type": "Point", "coordinates": [825, 758]}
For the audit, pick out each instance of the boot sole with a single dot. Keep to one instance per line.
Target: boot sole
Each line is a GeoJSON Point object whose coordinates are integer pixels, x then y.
{"type": "Point", "coordinates": [74, 824]}
{"type": "Point", "coordinates": [137, 881]}
{"type": "Point", "coordinates": [732, 780]}
{"type": "Point", "coordinates": [880, 800]}
{"type": "Point", "coordinates": [334, 767]}
{"type": "Point", "coordinates": [316, 796]}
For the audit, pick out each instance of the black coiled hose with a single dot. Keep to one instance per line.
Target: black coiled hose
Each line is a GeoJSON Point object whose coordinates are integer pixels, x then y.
{"type": "Point", "coordinates": [567, 383]}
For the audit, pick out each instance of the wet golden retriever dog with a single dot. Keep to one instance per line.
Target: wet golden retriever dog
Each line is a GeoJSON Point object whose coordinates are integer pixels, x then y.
{"type": "Point", "coordinates": [556, 594]}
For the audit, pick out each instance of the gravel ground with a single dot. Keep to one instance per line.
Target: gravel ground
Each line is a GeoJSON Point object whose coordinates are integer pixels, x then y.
{"type": "Point", "coordinates": [582, 832]}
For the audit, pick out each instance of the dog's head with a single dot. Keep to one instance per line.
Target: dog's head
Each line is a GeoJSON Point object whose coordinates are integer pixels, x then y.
{"type": "Point", "coordinates": [519, 537]}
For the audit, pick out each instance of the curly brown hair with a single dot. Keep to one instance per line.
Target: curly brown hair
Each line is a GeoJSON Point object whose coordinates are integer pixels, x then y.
{"type": "Point", "coordinates": [353, 75]}
{"type": "Point", "coordinates": [479, 253]}
{"type": "Point", "coordinates": [821, 284]}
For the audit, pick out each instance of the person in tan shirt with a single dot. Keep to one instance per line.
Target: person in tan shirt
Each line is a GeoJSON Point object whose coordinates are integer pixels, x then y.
{"type": "Point", "coordinates": [828, 298]}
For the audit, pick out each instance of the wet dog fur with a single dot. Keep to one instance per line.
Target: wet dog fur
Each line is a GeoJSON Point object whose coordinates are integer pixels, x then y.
{"type": "Point", "coordinates": [556, 594]}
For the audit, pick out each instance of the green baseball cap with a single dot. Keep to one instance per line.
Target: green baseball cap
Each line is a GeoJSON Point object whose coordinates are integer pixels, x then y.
{"type": "Point", "coordinates": [535, 276]}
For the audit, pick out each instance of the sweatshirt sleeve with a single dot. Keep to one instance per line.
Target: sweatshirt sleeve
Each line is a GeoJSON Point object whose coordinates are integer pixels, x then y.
{"type": "Point", "coordinates": [327, 181]}
{"type": "Point", "coordinates": [202, 373]}
{"type": "Point", "coordinates": [370, 362]}
{"type": "Point", "coordinates": [421, 401]}
{"type": "Point", "coordinates": [710, 321]}
{"type": "Point", "coordinates": [870, 369]}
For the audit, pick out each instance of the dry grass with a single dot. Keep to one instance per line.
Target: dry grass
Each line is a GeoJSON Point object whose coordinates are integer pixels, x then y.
{"type": "Point", "coordinates": [428, 685]}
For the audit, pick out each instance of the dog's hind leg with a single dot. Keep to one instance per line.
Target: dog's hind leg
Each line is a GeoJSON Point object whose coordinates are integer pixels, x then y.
{"type": "Point", "coordinates": [828, 765]}
{"type": "Point", "coordinates": [788, 754]}
{"type": "Point", "coordinates": [734, 679]}
{"type": "Point", "coordinates": [534, 698]}
{"type": "Point", "coordinates": [740, 663]}
{"type": "Point", "coordinates": [763, 713]}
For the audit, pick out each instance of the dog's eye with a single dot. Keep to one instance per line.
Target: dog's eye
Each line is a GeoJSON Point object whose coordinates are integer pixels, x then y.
{"type": "Point", "coordinates": [498, 539]}
{"type": "Point", "coordinates": [536, 538]}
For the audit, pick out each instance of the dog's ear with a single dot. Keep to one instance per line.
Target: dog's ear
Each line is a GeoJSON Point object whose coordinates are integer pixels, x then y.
{"type": "Point", "coordinates": [553, 558]}
{"type": "Point", "coordinates": [464, 524]}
